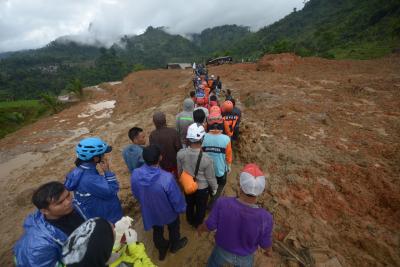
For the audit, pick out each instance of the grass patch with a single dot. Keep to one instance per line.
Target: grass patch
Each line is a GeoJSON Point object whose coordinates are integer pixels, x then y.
{"type": "Point", "coordinates": [16, 114]}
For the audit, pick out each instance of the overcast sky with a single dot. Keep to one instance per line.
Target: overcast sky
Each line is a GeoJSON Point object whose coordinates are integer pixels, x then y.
{"type": "Point", "coordinates": [34, 23]}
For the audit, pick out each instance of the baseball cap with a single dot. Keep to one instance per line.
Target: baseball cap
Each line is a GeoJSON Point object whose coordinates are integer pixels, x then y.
{"type": "Point", "coordinates": [252, 180]}
{"type": "Point", "coordinates": [195, 132]}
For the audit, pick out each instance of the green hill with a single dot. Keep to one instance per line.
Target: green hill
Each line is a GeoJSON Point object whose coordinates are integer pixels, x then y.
{"type": "Point", "coordinates": [155, 48]}
{"type": "Point", "coordinates": [358, 29]}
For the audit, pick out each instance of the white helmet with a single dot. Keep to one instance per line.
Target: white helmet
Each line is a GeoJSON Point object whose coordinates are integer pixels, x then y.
{"type": "Point", "coordinates": [195, 132]}
{"type": "Point", "coordinates": [212, 76]}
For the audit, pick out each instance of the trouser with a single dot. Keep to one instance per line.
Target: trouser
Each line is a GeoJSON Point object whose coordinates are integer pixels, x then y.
{"type": "Point", "coordinates": [221, 181]}
{"type": "Point", "coordinates": [220, 257]}
{"type": "Point", "coordinates": [196, 206]}
{"type": "Point", "coordinates": [173, 230]}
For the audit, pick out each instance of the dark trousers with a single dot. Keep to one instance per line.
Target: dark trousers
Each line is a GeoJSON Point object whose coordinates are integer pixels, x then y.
{"type": "Point", "coordinates": [221, 181]}
{"type": "Point", "coordinates": [196, 206]}
{"type": "Point", "coordinates": [173, 231]}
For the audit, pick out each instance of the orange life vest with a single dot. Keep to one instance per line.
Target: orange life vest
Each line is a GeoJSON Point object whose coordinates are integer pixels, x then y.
{"type": "Point", "coordinates": [230, 122]}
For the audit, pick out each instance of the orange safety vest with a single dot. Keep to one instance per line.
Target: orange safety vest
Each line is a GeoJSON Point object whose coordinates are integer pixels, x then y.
{"type": "Point", "coordinates": [210, 83]}
{"type": "Point", "coordinates": [207, 92]}
{"type": "Point", "coordinates": [230, 122]}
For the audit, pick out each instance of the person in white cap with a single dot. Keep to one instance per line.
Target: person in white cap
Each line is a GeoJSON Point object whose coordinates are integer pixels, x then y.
{"type": "Point", "coordinates": [187, 159]}
{"type": "Point", "coordinates": [241, 226]}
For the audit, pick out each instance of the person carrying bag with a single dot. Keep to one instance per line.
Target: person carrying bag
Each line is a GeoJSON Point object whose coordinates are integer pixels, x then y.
{"type": "Point", "coordinates": [188, 182]}
{"type": "Point", "coordinates": [196, 187]}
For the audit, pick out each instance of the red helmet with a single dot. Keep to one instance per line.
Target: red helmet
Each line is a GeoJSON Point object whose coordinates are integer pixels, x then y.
{"type": "Point", "coordinates": [200, 101]}
{"type": "Point", "coordinates": [214, 117]}
{"type": "Point", "coordinates": [215, 109]}
{"type": "Point", "coordinates": [227, 106]}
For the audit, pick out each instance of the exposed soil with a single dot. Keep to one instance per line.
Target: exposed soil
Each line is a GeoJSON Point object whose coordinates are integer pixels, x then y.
{"type": "Point", "coordinates": [326, 132]}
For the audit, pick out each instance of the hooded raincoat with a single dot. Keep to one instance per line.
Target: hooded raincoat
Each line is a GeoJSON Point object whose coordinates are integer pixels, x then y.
{"type": "Point", "coordinates": [41, 244]}
{"type": "Point", "coordinates": [159, 196]}
{"type": "Point", "coordinates": [95, 194]}
{"type": "Point", "coordinates": [185, 119]}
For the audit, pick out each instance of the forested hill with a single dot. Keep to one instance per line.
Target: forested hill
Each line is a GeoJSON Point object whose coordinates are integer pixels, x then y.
{"type": "Point", "coordinates": [358, 29]}
{"type": "Point", "coordinates": [328, 28]}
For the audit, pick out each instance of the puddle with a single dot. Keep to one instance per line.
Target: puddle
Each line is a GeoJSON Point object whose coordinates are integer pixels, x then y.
{"type": "Point", "coordinates": [115, 83]}
{"type": "Point", "coordinates": [100, 106]}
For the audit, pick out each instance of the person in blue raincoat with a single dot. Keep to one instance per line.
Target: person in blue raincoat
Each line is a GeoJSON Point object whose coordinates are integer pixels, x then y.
{"type": "Point", "coordinates": [95, 194]}
{"type": "Point", "coordinates": [47, 229]}
{"type": "Point", "coordinates": [161, 201]}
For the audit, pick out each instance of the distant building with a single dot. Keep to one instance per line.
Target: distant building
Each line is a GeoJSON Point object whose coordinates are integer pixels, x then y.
{"type": "Point", "coordinates": [182, 66]}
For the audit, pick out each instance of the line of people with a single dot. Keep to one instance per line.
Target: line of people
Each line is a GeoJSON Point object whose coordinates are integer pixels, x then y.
{"type": "Point", "coordinates": [199, 147]}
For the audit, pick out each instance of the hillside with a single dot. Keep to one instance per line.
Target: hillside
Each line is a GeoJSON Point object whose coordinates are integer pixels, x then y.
{"type": "Point", "coordinates": [331, 28]}
{"type": "Point", "coordinates": [358, 29]}
{"type": "Point", "coordinates": [325, 131]}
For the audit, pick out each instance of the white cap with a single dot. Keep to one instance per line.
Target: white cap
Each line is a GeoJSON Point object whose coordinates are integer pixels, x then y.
{"type": "Point", "coordinates": [212, 76]}
{"type": "Point", "coordinates": [195, 132]}
{"type": "Point", "coordinates": [252, 180]}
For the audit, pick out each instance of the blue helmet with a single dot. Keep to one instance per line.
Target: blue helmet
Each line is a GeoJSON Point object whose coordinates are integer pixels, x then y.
{"type": "Point", "coordinates": [90, 147]}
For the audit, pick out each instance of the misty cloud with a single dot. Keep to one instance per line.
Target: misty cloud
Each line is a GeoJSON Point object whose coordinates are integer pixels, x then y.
{"type": "Point", "coordinates": [32, 24]}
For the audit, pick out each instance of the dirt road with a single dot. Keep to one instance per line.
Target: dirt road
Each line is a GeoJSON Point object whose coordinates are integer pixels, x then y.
{"type": "Point", "coordinates": [327, 133]}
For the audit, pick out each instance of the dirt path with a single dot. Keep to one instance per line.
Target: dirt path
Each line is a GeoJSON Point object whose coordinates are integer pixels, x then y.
{"type": "Point", "coordinates": [327, 133]}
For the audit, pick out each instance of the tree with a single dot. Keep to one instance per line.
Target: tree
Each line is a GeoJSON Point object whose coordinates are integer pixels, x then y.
{"type": "Point", "coordinates": [75, 86]}
{"type": "Point", "coordinates": [138, 67]}
{"type": "Point", "coordinates": [50, 101]}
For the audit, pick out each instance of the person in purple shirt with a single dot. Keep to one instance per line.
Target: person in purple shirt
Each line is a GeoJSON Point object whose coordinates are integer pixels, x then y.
{"type": "Point", "coordinates": [241, 226]}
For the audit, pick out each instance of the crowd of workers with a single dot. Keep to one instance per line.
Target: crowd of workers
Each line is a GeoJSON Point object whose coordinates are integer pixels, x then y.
{"type": "Point", "coordinates": [76, 223]}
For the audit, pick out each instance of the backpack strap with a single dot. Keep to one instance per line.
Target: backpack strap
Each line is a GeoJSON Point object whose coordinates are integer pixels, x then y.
{"type": "Point", "coordinates": [198, 164]}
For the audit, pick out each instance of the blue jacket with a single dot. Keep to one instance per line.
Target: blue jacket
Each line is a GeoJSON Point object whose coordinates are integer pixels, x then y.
{"type": "Point", "coordinates": [133, 157]}
{"type": "Point", "coordinates": [159, 196]}
{"type": "Point", "coordinates": [41, 244]}
{"type": "Point", "coordinates": [95, 194]}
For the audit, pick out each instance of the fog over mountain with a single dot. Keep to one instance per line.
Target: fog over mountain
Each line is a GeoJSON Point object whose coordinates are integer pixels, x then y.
{"type": "Point", "coordinates": [33, 24]}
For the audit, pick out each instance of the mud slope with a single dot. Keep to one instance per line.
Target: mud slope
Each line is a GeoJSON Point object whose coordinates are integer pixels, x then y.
{"type": "Point", "coordinates": [327, 133]}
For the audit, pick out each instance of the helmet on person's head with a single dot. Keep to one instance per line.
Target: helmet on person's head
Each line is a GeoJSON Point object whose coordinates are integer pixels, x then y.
{"type": "Point", "coordinates": [195, 132]}
{"type": "Point", "coordinates": [227, 106]}
{"type": "Point", "coordinates": [200, 101]}
{"type": "Point", "coordinates": [90, 147]}
{"type": "Point", "coordinates": [252, 180]}
{"type": "Point", "coordinates": [214, 118]}
{"type": "Point", "coordinates": [212, 76]}
{"type": "Point", "coordinates": [215, 109]}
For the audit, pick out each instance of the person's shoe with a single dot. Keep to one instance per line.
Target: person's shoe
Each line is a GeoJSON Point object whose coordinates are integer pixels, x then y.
{"type": "Point", "coordinates": [162, 253]}
{"type": "Point", "coordinates": [181, 244]}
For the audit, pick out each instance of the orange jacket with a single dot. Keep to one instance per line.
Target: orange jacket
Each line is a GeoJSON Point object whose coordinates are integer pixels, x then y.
{"type": "Point", "coordinates": [207, 93]}
{"type": "Point", "coordinates": [230, 122]}
{"type": "Point", "coordinates": [210, 83]}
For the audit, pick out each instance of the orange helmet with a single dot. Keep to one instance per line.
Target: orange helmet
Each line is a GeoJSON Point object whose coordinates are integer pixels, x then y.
{"type": "Point", "coordinates": [215, 109]}
{"type": "Point", "coordinates": [227, 106]}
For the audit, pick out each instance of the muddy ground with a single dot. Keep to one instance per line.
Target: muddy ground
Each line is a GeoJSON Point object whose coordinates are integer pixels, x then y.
{"type": "Point", "coordinates": [326, 132]}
